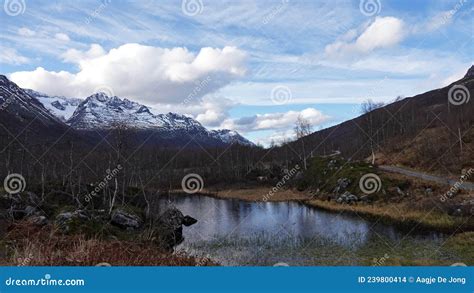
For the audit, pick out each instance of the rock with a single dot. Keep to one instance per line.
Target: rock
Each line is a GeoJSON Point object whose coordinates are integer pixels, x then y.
{"type": "Point", "coordinates": [65, 220]}
{"type": "Point", "coordinates": [170, 224]}
{"type": "Point", "coordinates": [188, 221]}
{"type": "Point", "coordinates": [126, 220]}
{"type": "Point", "coordinates": [29, 211]}
{"type": "Point", "coordinates": [38, 220]}
{"type": "Point", "coordinates": [429, 191]}
{"type": "Point", "coordinates": [347, 197]}
{"type": "Point", "coordinates": [341, 185]}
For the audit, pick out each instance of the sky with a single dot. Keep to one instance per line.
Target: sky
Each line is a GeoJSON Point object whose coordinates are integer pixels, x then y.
{"type": "Point", "coordinates": [251, 66]}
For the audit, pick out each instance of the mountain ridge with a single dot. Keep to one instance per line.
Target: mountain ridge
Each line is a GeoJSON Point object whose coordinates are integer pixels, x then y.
{"type": "Point", "coordinates": [102, 112]}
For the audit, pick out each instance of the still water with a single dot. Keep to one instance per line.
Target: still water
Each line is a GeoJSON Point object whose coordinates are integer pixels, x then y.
{"type": "Point", "coordinates": [235, 232]}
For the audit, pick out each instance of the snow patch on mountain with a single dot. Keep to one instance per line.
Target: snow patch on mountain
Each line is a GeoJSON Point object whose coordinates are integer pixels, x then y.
{"type": "Point", "coordinates": [61, 107]}
{"type": "Point", "coordinates": [231, 137]}
{"type": "Point", "coordinates": [100, 111]}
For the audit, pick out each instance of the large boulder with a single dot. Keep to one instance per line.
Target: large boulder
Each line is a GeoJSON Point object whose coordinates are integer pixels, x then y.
{"type": "Point", "coordinates": [170, 225]}
{"type": "Point", "coordinates": [66, 221]}
{"type": "Point", "coordinates": [126, 220]}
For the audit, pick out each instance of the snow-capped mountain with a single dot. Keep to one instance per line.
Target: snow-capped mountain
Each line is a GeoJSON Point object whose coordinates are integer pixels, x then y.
{"type": "Point", "coordinates": [61, 107]}
{"type": "Point", "coordinates": [231, 137]}
{"type": "Point", "coordinates": [100, 111]}
{"type": "Point", "coordinates": [24, 107]}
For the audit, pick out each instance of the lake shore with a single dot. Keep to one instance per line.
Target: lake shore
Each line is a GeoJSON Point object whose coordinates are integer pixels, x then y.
{"type": "Point", "coordinates": [401, 214]}
{"type": "Point", "coordinates": [258, 194]}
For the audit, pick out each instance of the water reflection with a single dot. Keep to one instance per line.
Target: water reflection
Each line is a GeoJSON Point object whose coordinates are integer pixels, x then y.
{"type": "Point", "coordinates": [218, 219]}
{"type": "Point", "coordinates": [235, 232]}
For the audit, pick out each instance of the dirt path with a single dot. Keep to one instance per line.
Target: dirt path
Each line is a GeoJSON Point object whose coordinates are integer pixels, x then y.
{"type": "Point", "coordinates": [425, 176]}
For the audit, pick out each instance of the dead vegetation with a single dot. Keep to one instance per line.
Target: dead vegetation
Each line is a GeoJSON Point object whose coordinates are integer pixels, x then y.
{"type": "Point", "coordinates": [29, 245]}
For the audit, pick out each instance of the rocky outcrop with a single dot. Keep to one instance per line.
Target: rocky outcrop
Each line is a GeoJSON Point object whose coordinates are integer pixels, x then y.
{"type": "Point", "coordinates": [126, 220]}
{"type": "Point", "coordinates": [170, 225]}
{"type": "Point", "coordinates": [66, 221]}
{"type": "Point", "coordinates": [348, 198]}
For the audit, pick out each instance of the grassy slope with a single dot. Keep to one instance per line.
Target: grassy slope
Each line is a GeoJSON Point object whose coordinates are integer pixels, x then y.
{"type": "Point", "coordinates": [414, 209]}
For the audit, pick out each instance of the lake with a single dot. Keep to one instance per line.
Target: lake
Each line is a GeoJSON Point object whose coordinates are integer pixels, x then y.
{"type": "Point", "coordinates": [236, 232]}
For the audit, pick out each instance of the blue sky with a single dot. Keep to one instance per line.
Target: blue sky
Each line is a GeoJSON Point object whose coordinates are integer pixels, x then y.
{"type": "Point", "coordinates": [252, 66]}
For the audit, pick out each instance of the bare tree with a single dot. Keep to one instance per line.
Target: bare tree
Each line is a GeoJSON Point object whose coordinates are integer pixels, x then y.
{"type": "Point", "coordinates": [302, 129]}
{"type": "Point", "coordinates": [367, 108]}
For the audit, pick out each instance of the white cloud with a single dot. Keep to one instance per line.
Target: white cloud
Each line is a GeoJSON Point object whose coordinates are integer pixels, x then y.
{"type": "Point", "coordinates": [151, 75]}
{"type": "Point", "coordinates": [26, 32]}
{"type": "Point", "coordinates": [277, 137]}
{"type": "Point", "coordinates": [214, 110]}
{"type": "Point", "coordinates": [275, 121]}
{"type": "Point", "coordinates": [76, 56]}
{"type": "Point", "coordinates": [62, 37]}
{"type": "Point", "coordinates": [384, 32]}
{"type": "Point", "coordinates": [11, 56]}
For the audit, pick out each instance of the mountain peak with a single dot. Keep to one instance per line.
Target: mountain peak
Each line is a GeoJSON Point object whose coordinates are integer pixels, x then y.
{"type": "Point", "coordinates": [231, 137]}
{"type": "Point", "coordinates": [24, 106]}
{"type": "Point", "coordinates": [470, 72]}
{"type": "Point", "coordinates": [3, 78]}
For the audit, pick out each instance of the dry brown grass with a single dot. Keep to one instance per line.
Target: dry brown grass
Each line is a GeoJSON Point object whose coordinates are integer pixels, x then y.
{"type": "Point", "coordinates": [434, 150]}
{"type": "Point", "coordinates": [43, 246]}
{"type": "Point", "coordinates": [399, 214]}
{"type": "Point", "coordinates": [259, 194]}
